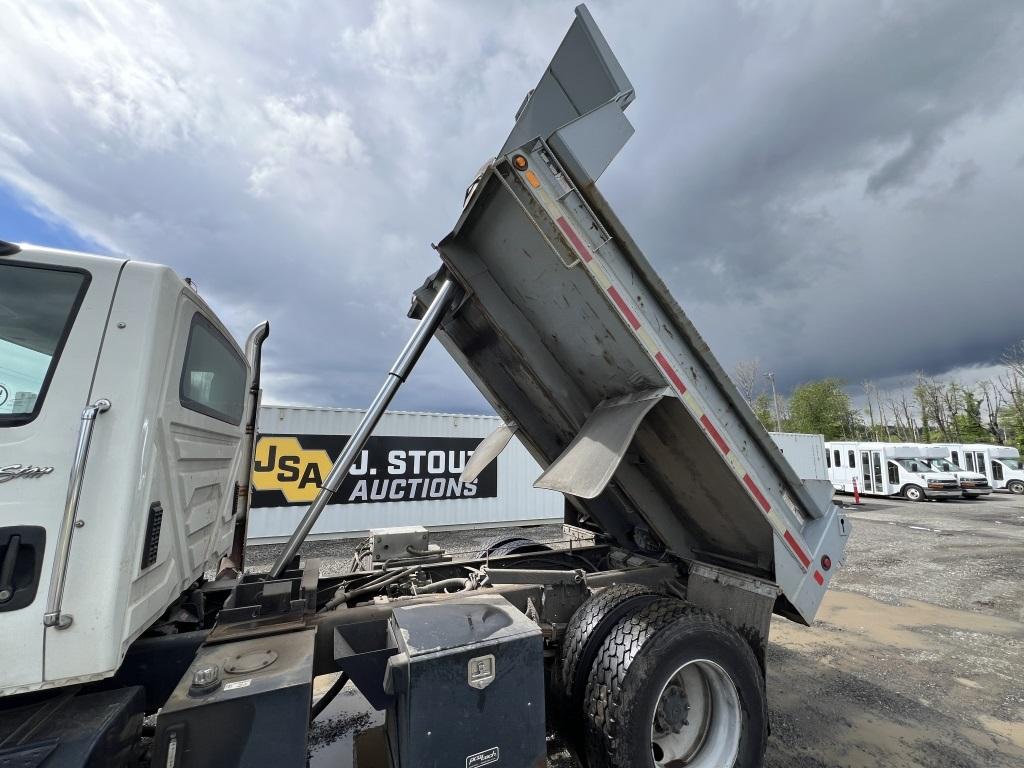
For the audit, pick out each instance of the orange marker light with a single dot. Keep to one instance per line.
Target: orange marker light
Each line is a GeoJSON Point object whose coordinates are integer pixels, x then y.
{"type": "Point", "coordinates": [519, 161]}
{"type": "Point", "coordinates": [532, 178]}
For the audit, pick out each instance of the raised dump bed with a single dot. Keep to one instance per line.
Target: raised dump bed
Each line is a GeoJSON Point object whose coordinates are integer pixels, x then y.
{"type": "Point", "coordinates": [577, 343]}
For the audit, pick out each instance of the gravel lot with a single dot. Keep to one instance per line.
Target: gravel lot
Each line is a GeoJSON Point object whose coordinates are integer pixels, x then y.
{"type": "Point", "coordinates": [917, 656]}
{"type": "Point", "coordinates": [916, 659]}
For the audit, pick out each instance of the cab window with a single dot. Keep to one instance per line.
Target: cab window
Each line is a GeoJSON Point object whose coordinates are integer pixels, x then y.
{"type": "Point", "coordinates": [213, 377]}
{"type": "Point", "coordinates": [38, 306]}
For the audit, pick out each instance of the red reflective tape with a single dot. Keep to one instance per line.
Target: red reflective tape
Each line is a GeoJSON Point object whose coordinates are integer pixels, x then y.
{"type": "Point", "coordinates": [623, 308]}
{"type": "Point", "coordinates": [574, 239]}
{"type": "Point", "coordinates": [670, 372]}
{"type": "Point", "coordinates": [801, 555]}
{"type": "Point", "coordinates": [722, 445]}
{"type": "Point", "coordinates": [757, 494]}
{"type": "Point", "coordinates": [819, 578]}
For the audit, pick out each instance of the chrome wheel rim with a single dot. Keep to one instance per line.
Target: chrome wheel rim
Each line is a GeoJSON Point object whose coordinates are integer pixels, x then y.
{"type": "Point", "coordinates": [697, 720]}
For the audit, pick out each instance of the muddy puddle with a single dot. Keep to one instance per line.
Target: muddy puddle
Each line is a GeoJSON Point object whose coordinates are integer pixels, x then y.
{"type": "Point", "coordinates": [857, 620]}
{"type": "Point", "coordinates": [875, 685]}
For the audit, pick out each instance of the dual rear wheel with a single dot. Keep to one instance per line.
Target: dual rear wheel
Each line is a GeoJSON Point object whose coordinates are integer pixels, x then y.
{"type": "Point", "coordinates": [656, 682]}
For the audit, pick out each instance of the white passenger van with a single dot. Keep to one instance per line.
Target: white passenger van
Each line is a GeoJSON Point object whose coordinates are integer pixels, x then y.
{"type": "Point", "coordinates": [1001, 464]}
{"type": "Point", "coordinates": [887, 469]}
{"type": "Point", "coordinates": [972, 484]}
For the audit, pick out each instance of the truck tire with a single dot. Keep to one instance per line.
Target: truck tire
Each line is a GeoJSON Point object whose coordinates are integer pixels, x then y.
{"type": "Point", "coordinates": [913, 493]}
{"type": "Point", "coordinates": [1015, 486]}
{"type": "Point", "coordinates": [675, 685]}
{"type": "Point", "coordinates": [585, 633]}
{"type": "Point", "coordinates": [510, 544]}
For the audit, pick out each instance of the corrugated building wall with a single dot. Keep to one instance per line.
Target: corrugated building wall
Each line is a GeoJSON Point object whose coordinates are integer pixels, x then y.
{"type": "Point", "coordinates": [407, 476]}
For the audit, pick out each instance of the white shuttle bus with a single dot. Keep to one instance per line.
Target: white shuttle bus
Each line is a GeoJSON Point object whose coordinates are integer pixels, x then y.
{"type": "Point", "coordinates": [1001, 464]}
{"type": "Point", "coordinates": [887, 469]}
{"type": "Point", "coordinates": [972, 484]}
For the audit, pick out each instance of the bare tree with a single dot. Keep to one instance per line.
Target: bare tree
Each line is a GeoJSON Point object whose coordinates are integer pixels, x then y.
{"type": "Point", "coordinates": [929, 394]}
{"type": "Point", "coordinates": [869, 390]}
{"type": "Point", "coordinates": [908, 415]}
{"type": "Point", "coordinates": [993, 397]}
{"type": "Point", "coordinates": [881, 412]}
{"type": "Point", "coordinates": [1013, 358]}
{"type": "Point", "coordinates": [1012, 383]}
{"type": "Point", "coordinates": [903, 420]}
{"type": "Point", "coordinates": [747, 378]}
{"type": "Point", "coordinates": [953, 403]}
{"type": "Point", "coordinates": [897, 419]}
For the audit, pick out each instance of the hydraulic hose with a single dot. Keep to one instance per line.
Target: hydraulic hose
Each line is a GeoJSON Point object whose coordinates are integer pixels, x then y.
{"type": "Point", "coordinates": [373, 586]}
{"type": "Point", "coordinates": [329, 695]}
{"type": "Point", "coordinates": [443, 585]}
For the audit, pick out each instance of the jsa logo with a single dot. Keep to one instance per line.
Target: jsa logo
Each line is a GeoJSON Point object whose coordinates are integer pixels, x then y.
{"type": "Point", "coordinates": [282, 464]}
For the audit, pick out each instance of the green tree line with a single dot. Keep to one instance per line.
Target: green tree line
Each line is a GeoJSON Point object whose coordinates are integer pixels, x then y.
{"type": "Point", "coordinates": [929, 409]}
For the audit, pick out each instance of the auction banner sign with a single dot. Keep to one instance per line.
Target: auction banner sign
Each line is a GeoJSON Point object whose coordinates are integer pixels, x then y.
{"type": "Point", "coordinates": [289, 469]}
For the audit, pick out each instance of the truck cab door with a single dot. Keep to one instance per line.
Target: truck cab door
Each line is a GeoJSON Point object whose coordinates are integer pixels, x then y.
{"type": "Point", "coordinates": [53, 312]}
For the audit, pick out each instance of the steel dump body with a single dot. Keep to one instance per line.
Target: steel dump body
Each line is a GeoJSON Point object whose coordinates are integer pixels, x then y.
{"type": "Point", "coordinates": [573, 339]}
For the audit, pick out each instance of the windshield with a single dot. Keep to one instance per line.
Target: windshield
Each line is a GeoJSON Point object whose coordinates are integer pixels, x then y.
{"type": "Point", "coordinates": [37, 307]}
{"type": "Point", "coordinates": [916, 464]}
{"type": "Point", "coordinates": [945, 465]}
{"type": "Point", "coordinates": [1017, 464]}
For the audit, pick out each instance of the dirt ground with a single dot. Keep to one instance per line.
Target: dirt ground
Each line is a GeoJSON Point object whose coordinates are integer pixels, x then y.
{"type": "Point", "coordinates": [916, 658]}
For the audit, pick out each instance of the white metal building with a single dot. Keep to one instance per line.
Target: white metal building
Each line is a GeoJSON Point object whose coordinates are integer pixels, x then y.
{"type": "Point", "coordinates": [408, 474]}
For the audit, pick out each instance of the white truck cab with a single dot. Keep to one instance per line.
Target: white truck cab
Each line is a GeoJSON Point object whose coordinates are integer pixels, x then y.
{"type": "Point", "coordinates": [972, 484]}
{"type": "Point", "coordinates": [123, 411]}
{"type": "Point", "coordinates": [1001, 464]}
{"type": "Point", "coordinates": [887, 469]}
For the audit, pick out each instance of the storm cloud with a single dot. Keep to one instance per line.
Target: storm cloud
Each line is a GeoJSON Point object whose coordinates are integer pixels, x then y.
{"type": "Point", "coordinates": [833, 188]}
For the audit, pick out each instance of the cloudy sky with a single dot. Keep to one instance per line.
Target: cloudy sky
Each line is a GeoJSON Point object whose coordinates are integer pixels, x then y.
{"type": "Point", "coordinates": [835, 188]}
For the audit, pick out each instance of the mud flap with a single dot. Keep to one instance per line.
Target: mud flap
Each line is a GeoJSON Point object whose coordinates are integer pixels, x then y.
{"type": "Point", "coordinates": [487, 451]}
{"type": "Point", "coordinates": [587, 465]}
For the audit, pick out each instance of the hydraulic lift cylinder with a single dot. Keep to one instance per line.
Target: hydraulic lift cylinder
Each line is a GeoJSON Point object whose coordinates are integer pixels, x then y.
{"type": "Point", "coordinates": [396, 377]}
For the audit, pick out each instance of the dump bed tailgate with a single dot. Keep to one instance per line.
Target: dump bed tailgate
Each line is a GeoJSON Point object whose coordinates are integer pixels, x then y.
{"type": "Point", "coordinates": [579, 346]}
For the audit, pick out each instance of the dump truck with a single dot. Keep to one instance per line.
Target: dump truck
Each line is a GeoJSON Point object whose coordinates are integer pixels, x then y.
{"type": "Point", "coordinates": [127, 439]}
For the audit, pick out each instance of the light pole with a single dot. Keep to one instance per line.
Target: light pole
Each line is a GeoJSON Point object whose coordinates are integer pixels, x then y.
{"type": "Point", "coordinates": [775, 399]}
